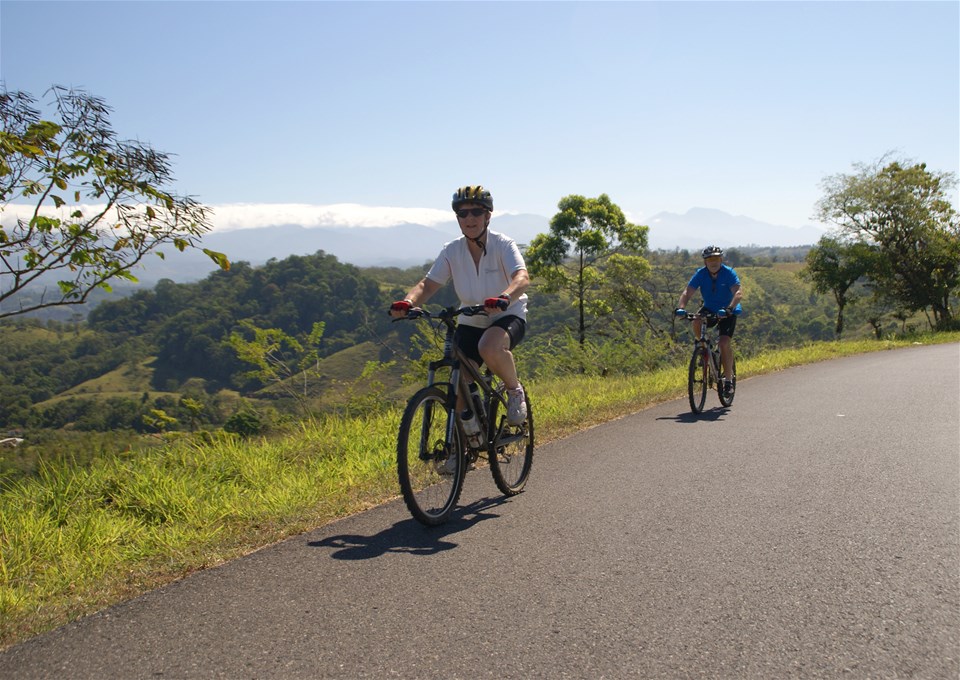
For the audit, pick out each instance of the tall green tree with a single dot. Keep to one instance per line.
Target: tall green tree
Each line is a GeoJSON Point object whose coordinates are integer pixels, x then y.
{"type": "Point", "coordinates": [902, 208]}
{"type": "Point", "coordinates": [89, 206]}
{"type": "Point", "coordinates": [584, 235]}
{"type": "Point", "coordinates": [834, 266]}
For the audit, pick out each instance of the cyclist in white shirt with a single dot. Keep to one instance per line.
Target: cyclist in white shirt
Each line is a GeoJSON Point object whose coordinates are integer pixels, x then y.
{"type": "Point", "coordinates": [487, 268]}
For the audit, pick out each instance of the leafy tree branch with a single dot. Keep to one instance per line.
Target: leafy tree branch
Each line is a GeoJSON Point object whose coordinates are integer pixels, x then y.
{"type": "Point", "coordinates": [82, 206]}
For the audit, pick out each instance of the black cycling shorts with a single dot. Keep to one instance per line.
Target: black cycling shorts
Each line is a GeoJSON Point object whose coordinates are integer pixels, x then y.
{"type": "Point", "coordinates": [726, 325]}
{"type": "Point", "coordinates": [467, 338]}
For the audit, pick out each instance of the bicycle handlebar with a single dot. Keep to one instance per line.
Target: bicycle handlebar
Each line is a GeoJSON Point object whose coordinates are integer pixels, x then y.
{"type": "Point", "coordinates": [706, 316]}
{"type": "Point", "coordinates": [446, 313]}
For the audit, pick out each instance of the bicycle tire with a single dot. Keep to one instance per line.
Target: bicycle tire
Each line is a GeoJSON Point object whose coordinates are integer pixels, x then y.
{"type": "Point", "coordinates": [728, 400]}
{"type": "Point", "coordinates": [511, 450]}
{"type": "Point", "coordinates": [697, 379]}
{"type": "Point", "coordinates": [430, 469]}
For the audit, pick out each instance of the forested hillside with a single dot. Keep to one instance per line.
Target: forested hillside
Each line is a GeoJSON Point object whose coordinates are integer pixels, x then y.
{"type": "Point", "coordinates": [163, 360]}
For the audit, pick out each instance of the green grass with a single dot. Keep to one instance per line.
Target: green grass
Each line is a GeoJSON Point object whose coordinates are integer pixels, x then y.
{"type": "Point", "coordinates": [75, 539]}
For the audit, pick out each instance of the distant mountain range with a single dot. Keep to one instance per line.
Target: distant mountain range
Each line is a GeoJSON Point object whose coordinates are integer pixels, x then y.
{"type": "Point", "coordinates": [700, 227]}
{"type": "Point", "coordinates": [407, 245]}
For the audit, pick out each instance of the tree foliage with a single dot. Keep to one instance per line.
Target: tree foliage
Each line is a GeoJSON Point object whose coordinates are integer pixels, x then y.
{"type": "Point", "coordinates": [834, 266]}
{"type": "Point", "coordinates": [584, 236]}
{"type": "Point", "coordinates": [89, 206]}
{"type": "Point", "coordinates": [901, 208]}
{"type": "Point", "coordinates": [279, 359]}
{"type": "Point", "coordinates": [191, 323]}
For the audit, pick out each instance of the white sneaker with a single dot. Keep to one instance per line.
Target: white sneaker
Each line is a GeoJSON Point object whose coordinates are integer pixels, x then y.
{"type": "Point", "coordinates": [448, 467]}
{"type": "Point", "coordinates": [516, 406]}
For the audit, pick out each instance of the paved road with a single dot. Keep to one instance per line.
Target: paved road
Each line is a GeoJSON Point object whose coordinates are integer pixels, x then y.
{"type": "Point", "coordinates": [812, 531]}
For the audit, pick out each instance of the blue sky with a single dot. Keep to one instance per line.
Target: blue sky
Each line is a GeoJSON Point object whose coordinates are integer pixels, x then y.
{"type": "Point", "coordinates": [740, 106]}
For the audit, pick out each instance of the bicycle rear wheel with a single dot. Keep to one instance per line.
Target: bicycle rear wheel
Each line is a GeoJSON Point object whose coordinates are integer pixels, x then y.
{"type": "Point", "coordinates": [727, 400]}
{"type": "Point", "coordinates": [511, 450]}
{"type": "Point", "coordinates": [697, 380]}
{"type": "Point", "coordinates": [429, 467]}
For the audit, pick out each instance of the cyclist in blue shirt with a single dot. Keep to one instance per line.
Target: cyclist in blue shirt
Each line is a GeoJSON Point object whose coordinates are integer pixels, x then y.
{"type": "Point", "coordinates": [720, 289]}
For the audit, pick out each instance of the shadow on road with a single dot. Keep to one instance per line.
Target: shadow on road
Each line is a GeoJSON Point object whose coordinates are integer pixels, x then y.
{"type": "Point", "coordinates": [715, 413]}
{"type": "Point", "coordinates": [409, 536]}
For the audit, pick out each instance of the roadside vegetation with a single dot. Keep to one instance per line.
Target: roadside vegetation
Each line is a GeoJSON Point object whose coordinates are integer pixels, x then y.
{"type": "Point", "coordinates": [77, 538]}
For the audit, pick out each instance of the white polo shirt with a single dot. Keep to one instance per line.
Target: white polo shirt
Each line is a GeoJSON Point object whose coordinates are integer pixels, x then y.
{"type": "Point", "coordinates": [475, 284]}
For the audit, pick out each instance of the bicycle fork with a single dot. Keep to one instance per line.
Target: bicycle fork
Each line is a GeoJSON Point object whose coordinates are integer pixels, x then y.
{"type": "Point", "coordinates": [429, 451]}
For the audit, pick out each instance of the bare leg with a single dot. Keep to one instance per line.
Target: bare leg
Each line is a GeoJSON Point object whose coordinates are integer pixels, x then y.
{"type": "Point", "coordinates": [726, 356]}
{"type": "Point", "coordinates": [495, 349]}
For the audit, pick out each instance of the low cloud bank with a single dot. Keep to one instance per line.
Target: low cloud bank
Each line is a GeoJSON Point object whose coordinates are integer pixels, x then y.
{"type": "Point", "coordinates": [247, 216]}
{"type": "Point", "coordinates": [234, 216]}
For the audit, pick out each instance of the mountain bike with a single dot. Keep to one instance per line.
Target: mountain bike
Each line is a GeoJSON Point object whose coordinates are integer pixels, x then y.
{"type": "Point", "coordinates": [434, 451]}
{"type": "Point", "coordinates": [706, 368]}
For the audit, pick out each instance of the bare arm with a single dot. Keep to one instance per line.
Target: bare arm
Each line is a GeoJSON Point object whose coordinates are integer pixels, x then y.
{"type": "Point", "coordinates": [685, 296]}
{"type": "Point", "coordinates": [418, 295]}
{"type": "Point", "coordinates": [737, 295]}
{"type": "Point", "coordinates": [518, 284]}
{"type": "Point", "coordinates": [423, 291]}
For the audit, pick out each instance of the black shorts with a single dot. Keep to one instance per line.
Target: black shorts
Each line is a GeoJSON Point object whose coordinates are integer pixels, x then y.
{"type": "Point", "coordinates": [467, 338]}
{"type": "Point", "coordinates": [725, 326]}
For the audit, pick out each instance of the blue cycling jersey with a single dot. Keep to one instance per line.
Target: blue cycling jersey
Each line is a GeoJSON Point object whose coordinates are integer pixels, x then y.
{"type": "Point", "coordinates": [716, 292]}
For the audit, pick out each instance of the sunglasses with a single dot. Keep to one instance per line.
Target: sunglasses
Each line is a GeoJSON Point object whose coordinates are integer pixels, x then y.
{"type": "Point", "coordinates": [476, 212]}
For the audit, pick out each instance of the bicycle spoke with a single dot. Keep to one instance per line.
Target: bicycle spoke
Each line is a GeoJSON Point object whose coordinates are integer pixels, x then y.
{"type": "Point", "coordinates": [697, 380]}
{"type": "Point", "coordinates": [430, 468]}
{"type": "Point", "coordinates": [511, 450]}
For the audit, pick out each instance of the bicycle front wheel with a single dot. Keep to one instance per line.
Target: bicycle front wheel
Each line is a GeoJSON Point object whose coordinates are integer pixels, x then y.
{"type": "Point", "coordinates": [511, 450]}
{"type": "Point", "coordinates": [429, 467]}
{"type": "Point", "coordinates": [697, 380]}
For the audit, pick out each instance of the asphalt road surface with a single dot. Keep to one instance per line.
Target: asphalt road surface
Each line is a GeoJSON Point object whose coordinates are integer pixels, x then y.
{"type": "Point", "coordinates": [810, 531]}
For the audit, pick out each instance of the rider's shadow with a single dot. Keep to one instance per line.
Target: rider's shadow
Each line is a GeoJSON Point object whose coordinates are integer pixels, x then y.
{"type": "Point", "coordinates": [409, 536]}
{"type": "Point", "coordinates": [709, 415]}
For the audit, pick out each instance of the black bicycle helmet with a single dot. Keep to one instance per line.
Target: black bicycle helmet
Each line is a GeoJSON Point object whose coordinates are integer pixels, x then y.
{"type": "Point", "coordinates": [712, 251]}
{"type": "Point", "coordinates": [473, 194]}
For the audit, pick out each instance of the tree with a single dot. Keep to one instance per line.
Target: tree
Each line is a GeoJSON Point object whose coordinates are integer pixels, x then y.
{"type": "Point", "coordinates": [158, 419]}
{"type": "Point", "coordinates": [833, 266]}
{"type": "Point", "coordinates": [95, 205]}
{"type": "Point", "coordinates": [245, 423]}
{"type": "Point", "coordinates": [584, 235]}
{"type": "Point", "coordinates": [279, 358]}
{"type": "Point", "coordinates": [902, 209]}
{"type": "Point", "coordinates": [195, 410]}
